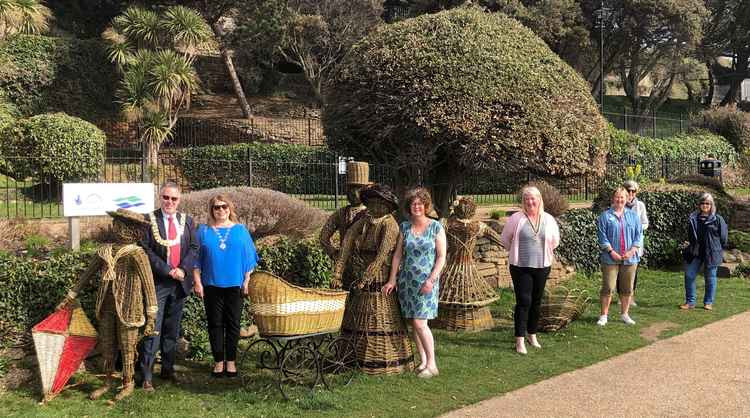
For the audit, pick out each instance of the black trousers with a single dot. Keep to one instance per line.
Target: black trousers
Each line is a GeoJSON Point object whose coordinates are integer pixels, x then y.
{"type": "Point", "coordinates": [528, 284]}
{"type": "Point", "coordinates": [223, 312]}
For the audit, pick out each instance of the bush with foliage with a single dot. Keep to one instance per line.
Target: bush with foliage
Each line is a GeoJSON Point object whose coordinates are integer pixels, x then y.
{"type": "Point", "coordinates": [668, 207]}
{"type": "Point", "coordinates": [302, 262]}
{"type": "Point", "coordinates": [276, 166]}
{"type": "Point", "coordinates": [649, 151]}
{"type": "Point", "coordinates": [265, 212]}
{"type": "Point", "coordinates": [554, 202]}
{"type": "Point", "coordinates": [54, 147]}
{"type": "Point", "coordinates": [739, 240]}
{"type": "Point", "coordinates": [729, 122]}
{"type": "Point", "coordinates": [578, 245]}
{"type": "Point", "coordinates": [44, 74]}
{"type": "Point", "coordinates": [445, 93]}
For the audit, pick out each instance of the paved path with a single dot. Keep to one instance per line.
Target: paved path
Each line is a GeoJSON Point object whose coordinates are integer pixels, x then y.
{"type": "Point", "coordinates": [703, 372]}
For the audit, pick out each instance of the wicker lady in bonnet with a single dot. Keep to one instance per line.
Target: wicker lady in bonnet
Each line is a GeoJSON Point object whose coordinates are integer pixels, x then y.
{"type": "Point", "coordinates": [374, 319]}
{"type": "Point", "coordinates": [126, 281]}
{"type": "Point", "coordinates": [464, 294]}
{"type": "Point", "coordinates": [357, 178]}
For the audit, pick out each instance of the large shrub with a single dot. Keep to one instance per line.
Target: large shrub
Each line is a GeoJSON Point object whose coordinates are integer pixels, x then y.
{"type": "Point", "coordinates": [668, 207]}
{"type": "Point", "coordinates": [264, 212]}
{"type": "Point", "coordinates": [287, 168]}
{"type": "Point", "coordinates": [44, 74]}
{"type": "Point", "coordinates": [554, 202]}
{"type": "Point", "coordinates": [444, 93]}
{"type": "Point", "coordinates": [54, 147]}
{"type": "Point", "coordinates": [729, 122]}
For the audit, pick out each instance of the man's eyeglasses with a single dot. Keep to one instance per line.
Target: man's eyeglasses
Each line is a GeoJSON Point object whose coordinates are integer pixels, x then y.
{"type": "Point", "coordinates": [224, 207]}
{"type": "Point", "coordinates": [172, 198]}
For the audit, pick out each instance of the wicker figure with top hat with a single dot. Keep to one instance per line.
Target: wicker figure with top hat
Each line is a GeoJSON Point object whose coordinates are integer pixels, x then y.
{"type": "Point", "coordinates": [464, 294]}
{"type": "Point", "coordinates": [372, 318]}
{"type": "Point", "coordinates": [357, 178]}
{"type": "Point", "coordinates": [125, 289]}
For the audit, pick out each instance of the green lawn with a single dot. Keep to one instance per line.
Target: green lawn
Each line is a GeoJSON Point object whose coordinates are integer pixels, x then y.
{"type": "Point", "coordinates": [473, 366]}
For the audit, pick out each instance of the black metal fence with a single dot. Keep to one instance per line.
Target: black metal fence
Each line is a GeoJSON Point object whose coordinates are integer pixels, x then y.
{"type": "Point", "coordinates": [649, 125]}
{"type": "Point", "coordinates": [317, 182]}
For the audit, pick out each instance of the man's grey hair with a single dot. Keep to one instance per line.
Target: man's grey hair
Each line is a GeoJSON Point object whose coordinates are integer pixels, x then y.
{"type": "Point", "coordinates": [169, 184]}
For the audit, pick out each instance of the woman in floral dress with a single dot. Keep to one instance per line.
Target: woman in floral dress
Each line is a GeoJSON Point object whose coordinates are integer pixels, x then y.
{"type": "Point", "coordinates": [418, 260]}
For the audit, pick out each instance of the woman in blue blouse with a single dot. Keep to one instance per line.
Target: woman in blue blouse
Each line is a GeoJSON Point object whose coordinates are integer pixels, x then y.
{"type": "Point", "coordinates": [620, 237]}
{"type": "Point", "coordinates": [225, 260]}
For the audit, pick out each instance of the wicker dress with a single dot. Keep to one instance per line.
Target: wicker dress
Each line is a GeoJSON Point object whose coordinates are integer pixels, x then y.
{"type": "Point", "coordinates": [464, 294]}
{"type": "Point", "coordinates": [372, 318]}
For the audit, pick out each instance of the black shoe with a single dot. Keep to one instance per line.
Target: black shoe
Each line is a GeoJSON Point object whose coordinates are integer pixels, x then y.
{"type": "Point", "coordinates": [169, 376]}
{"type": "Point", "coordinates": [217, 375]}
{"type": "Point", "coordinates": [227, 373]}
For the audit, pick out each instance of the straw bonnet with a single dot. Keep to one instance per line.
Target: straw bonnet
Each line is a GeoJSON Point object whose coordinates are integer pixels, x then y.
{"type": "Point", "coordinates": [379, 191]}
{"type": "Point", "coordinates": [129, 217]}
{"type": "Point", "coordinates": [358, 173]}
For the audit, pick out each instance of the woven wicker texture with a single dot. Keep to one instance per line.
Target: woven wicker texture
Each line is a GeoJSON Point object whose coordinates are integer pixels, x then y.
{"type": "Point", "coordinates": [460, 283]}
{"type": "Point", "coordinates": [57, 322]}
{"type": "Point", "coordinates": [366, 252]}
{"type": "Point", "coordinates": [357, 172]}
{"type": "Point", "coordinates": [281, 308]}
{"type": "Point", "coordinates": [380, 336]}
{"type": "Point", "coordinates": [470, 318]}
{"type": "Point", "coordinates": [80, 324]}
{"type": "Point", "coordinates": [561, 306]}
{"type": "Point", "coordinates": [339, 222]}
{"type": "Point", "coordinates": [49, 349]}
{"type": "Point", "coordinates": [76, 349]}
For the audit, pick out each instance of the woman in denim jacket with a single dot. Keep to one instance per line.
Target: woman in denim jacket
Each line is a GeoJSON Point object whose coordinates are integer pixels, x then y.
{"type": "Point", "coordinates": [707, 232]}
{"type": "Point", "coordinates": [620, 236]}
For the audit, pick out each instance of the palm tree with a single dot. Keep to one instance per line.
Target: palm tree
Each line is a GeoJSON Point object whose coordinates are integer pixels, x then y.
{"type": "Point", "coordinates": [155, 54]}
{"type": "Point", "coordinates": [23, 16]}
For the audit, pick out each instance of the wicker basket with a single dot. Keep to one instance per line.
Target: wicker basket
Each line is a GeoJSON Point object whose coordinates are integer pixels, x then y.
{"type": "Point", "coordinates": [463, 318]}
{"type": "Point", "coordinates": [379, 332]}
{"type": "Point", "coordinates": [283, 309]}
{"type": "Point", "coordinates": [561, 307]}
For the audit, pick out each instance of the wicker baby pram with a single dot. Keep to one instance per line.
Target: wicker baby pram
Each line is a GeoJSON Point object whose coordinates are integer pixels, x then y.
{"type": "Point", "coordinates": [561, 306]}
{"type": "Point", "coordinates": [283, 309]}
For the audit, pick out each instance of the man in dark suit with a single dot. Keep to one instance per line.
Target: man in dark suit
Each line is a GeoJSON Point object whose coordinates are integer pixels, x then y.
{"type": "Point", "coordinates": [171, 248]}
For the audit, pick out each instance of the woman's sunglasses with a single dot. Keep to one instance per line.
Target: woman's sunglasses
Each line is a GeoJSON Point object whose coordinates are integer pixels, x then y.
{"type": "Point", "coordinates": [224, 206]}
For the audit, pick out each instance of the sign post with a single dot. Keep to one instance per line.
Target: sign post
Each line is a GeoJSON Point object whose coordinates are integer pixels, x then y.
{"type": "Point", "coordinates": [96, 199]}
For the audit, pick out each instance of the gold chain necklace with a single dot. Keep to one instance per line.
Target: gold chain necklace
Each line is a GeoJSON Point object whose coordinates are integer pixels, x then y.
{"type": "Point", "coordinates": [180, 226]}
{"type": "Point", "coordinates": [535, 228]}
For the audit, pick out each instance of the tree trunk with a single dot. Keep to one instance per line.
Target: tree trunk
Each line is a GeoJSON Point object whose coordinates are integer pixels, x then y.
{"type": "Point", "coordinates": [709, 99]}
{"type": "Point", "coordinates": [735, 83]}
{"type": "Point", "coordinates": [443, 185]}
{"type": "Point", "coordinates": [226, 54]}
{"type": "Point", "coordinates": [149, 160]}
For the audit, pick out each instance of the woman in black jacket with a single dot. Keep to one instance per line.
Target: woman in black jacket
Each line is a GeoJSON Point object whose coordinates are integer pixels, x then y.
{"type": "Point", "coordinates": [707, 232]}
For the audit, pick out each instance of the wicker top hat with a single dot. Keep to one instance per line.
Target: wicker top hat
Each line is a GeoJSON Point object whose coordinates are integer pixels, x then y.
{"type": "Point", "coordinates": [129, 217]}
{"type": "Point", "coordinates": [358, 173]}
{"type": "Point", "coordinates": [382, 192]}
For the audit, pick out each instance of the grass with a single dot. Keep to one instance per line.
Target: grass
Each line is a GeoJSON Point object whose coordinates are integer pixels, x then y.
{"type": "Point", "coordinates": [473, 366]}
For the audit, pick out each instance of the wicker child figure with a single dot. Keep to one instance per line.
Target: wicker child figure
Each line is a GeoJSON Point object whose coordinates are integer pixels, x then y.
{"type": "Point", "coordinates": [126, 281]}
{"type": "Point", "coordinates": [381, 340]}
{"type": "Point", "coordinates": [357, 178]}
{"type": "Point", "coordinates": [464, 294]}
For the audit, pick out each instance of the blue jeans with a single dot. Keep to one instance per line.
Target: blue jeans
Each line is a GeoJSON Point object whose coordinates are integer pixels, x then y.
{"type": "Point", "coordinates": [691, 271]}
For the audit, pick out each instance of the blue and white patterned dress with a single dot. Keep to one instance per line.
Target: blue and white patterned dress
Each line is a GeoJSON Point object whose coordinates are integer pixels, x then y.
{"type": "Point", "coordinates": [416, 265]}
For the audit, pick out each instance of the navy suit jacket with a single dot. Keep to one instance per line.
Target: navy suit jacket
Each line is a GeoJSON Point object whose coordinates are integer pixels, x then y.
{"type": "Point", "coordinates": [157, 254]}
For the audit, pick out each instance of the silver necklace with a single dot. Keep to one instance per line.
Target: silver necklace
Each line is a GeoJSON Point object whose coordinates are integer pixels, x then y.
{"type": "Point", "coordinates": [222, 239]}
{"type": "Point", "coordinates": [535, 228]}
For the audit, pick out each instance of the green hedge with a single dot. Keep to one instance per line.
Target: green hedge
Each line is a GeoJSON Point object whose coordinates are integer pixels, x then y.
{"type": "Point", "coordinates": [680, 147]}
{"type": "Point", "coordinates": [668, 207]}
{"type": "Point", "coordinates": [44, 74]}
{"type": "Point", "coordinates": [731, 123]}
{"type": "Point", "coordinates": [578, 245]}
{"type": "Point", "coordinates": [291, 169]}
{"type": "Point", "coordinates": [739, 240]}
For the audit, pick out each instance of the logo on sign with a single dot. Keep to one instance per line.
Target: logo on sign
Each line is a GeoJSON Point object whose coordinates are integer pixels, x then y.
{"type": "Point", "coordinates": [128, 202]}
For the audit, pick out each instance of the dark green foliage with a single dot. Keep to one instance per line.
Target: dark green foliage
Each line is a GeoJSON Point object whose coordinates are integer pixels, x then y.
{"type": "Point", "coordinates": [474, 89]}
{"type": "Point", "coordinates": [694, 146]}
{"type": "Point", "coordinates": [275, 166]}
{"type": "Point", "coordinates": [739, 240]}
{"type": "Point", "coordinates": [195, 328]}
{"type": "Point", "coordinates": [668, 207]}
{"type": "Point", "coordinates": [54, 147]}
{"type": "Point", "coordinates": [731, 123]}
{"type": "Point", "coordinates": [301, 262]}
{"type": "Point", "coordinates": [30, 288]}
{"type": "Point", "coordinates": [44, 74]}
{"type": "Point", "coordinates": [578, 245]}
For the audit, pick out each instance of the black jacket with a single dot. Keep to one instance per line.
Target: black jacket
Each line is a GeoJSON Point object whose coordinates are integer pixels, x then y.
{"type": "Point", "coordinates": [715, 240]}
{"type": "Point", "coordinates": [157, 254]}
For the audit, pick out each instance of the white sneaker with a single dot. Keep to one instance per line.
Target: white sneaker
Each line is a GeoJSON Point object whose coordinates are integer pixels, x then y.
{"type": "Point", "coordinates": [602, 320]}
{"type": "Point", "coordinates": [632, 303]}
{"type": "Point", "coordinates": [627, 319]}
